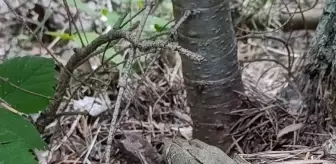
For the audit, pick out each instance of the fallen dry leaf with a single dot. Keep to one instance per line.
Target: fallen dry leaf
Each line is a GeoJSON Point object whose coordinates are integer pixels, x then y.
{"type": "Point", "coordinates": [289, 128]}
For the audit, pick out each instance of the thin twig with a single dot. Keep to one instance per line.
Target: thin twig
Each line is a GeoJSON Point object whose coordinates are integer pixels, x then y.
{"type": "Point", "coordinates": [122, 83]}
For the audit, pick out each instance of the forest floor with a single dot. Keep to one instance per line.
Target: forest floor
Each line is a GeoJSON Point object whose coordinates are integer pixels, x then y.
{"type": "Point", "coordinates": [273, 127]}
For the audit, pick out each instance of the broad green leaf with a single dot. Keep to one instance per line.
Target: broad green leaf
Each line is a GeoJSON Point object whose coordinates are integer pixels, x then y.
{"type": "Point", "coordinates": [15, 128]}
{"type": "Point", "coordinates": [63, 36]}
{"type": "Point", "coordinates": [16, 152]}
{"type": "Point", "coordinates": [28, 83]}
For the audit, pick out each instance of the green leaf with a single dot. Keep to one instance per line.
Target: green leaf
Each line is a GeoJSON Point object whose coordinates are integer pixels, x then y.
{"type": "Point", "coordinates": [140, 4]}
{"type": "Point", "coordinates": [15, 128]}
{"type": "Point", "coordinates": [159, 28]}
{"type": "Point", "coordinates": [63, 36]}
{"type": "Point", "coordinates": [16, 152]}
{"type": "Point", "coordinates": [153, 20]}
{"type": "Point", "coordinates": [103, 11]}
{"type": "Point", "coordinates": [28, 83]}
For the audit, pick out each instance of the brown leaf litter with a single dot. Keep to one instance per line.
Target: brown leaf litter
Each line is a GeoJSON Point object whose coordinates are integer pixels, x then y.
{"type": "Point", "coordinates": [271, 129]}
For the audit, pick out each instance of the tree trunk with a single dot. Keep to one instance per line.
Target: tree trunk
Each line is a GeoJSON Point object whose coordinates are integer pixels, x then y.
{"type": "Point", "coordinates": [318, 78]}
{"type": "Point", "coordinates": [210, 85]}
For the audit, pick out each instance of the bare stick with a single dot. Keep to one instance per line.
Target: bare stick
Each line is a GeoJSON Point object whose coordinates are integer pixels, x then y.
{"type": "Point", "coordinates": [122, 84]}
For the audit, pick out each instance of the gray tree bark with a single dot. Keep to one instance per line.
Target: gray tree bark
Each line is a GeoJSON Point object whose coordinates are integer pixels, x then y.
{"type": "Point", "coordinates": [210, 85]}
{"type": "Point", "coordinates": [318, 78]}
